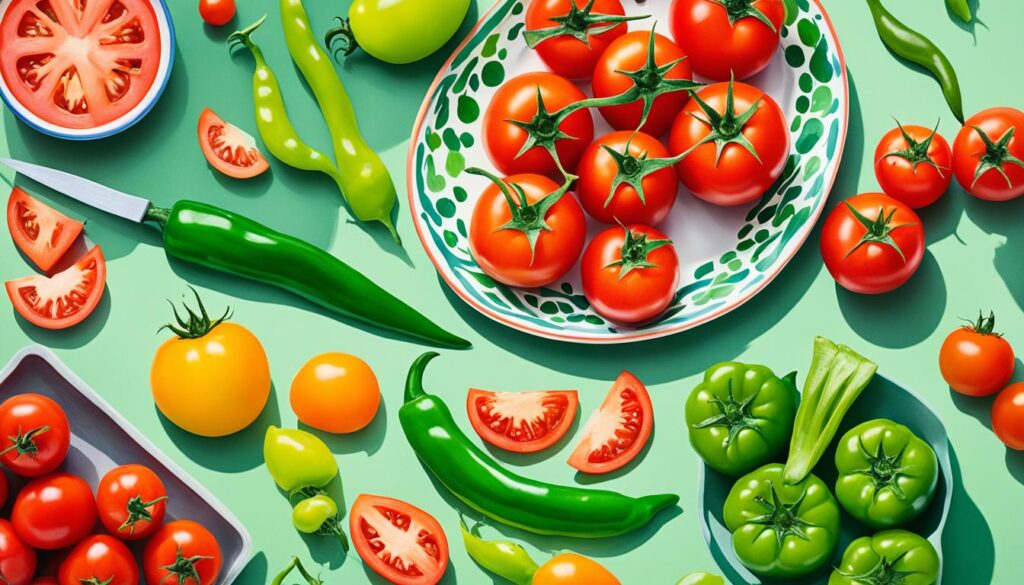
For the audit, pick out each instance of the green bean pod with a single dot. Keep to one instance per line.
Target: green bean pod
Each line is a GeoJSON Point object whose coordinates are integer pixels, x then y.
{"type": "Point", "coordinates": [961, 8]}
{"type": "Point", "coordinates": [365, 181]}
{"type": "Point", "coordinates": [918, 49]}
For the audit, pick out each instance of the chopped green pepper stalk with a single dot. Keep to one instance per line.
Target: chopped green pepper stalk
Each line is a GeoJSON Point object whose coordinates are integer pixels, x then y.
{"type": "Point", "coordinates": [297, 459]}
{"type": "Point", "coordinates": [295, 563]}
{"type": "Point", "coordinates": [505, 559]}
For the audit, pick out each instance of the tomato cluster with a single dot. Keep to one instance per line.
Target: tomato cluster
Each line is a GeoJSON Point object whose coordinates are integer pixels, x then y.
{"type": "Point", "coordinates": [725, 142]}
{"type": "Point", "coordinates": [55, 512]}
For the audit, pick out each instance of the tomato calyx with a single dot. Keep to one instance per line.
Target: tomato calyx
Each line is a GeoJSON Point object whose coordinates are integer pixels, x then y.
{"type": "Point", "coordinates": [96, 581]}
{"type": "Point", "coordinates": [780, 517]}
{"type": "Point", "coordinates": [916, 152]}
{"type": "Point", "coordinates": [635, 250]}
{"type": "Point", "coordinates": [726, 127]}
{"type": "Point", "coordinates": [984, 325]}
{"type": "Point", "coordinates": [347, 36]}
{"type": "Point", "coordinates": [733, 415]}
{"type": "Point", "coordinates": [879, 230]}
{"type": "Point", "coordinates": [527, 217]}
{"type": "Point", "coordinates": [184, 568]}
{"type": "Point", "coordinates": [24, 443]}
{"type": "Point", "coordinates": [633, 169]}
{"type": "Point", "coordinates": [883, 573]}
{"type": "Point", "coordinates": [996, 155]}
{"type": "Point", "coordinates": [884, 470]}
{"type": "Point", "coordinates": [138, 511]}
{"type": "Point", "coordinates": [740, 9]}
{"type": "Point", "coordinates": [578, 23]}
{"type": "Point", "coordinates": [197, 325]}
{"type": "Point", "coordinates": [545, 129]}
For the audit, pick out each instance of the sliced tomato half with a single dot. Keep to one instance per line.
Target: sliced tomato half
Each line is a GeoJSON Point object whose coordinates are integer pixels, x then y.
{"type": "Point", "coordinates": [402, 543]}
{"type": "Point", "coordinates": [64, 299]}
{"type": "Point", "coordinates": [618, 431]}
{"type": "Point", "coordinates": [77, 63]}
{"type": "Point", "coordinates": [40, 231]}
{"type": "Point", "coordinates": [523, 422]}
{"type": "Point", "coordinates": [228, 149]}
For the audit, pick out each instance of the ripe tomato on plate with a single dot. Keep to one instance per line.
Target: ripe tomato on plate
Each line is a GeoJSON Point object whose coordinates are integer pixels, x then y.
{"type": "Point", "coordinates": [99, 559]}
{"type": "Point", "coordinates": [988, 154]}
{"type": "Point", "coordinates": [618, 431]}
{"type": "Point", "coordinates": [228, 149]}
{"type": "Point", "coordinates": [132, 501]}
{"type": "Point", "coordinates": [737, 38]}
{"type": "Point", "coordinates": [399, 541]}
{"type": "Point", "coordinates": [914, 165]}
{"type": "Point", "coordinates": [64, 299]}
{"type": "Point", "coordinates": [607, 162]}
{"type": "Point", "coordinates": [565, 54]}
{"type": "Point", "coordinates": [522, 422]}
{"type": "Point", "coordinates": [40, 231]}
{"type": "Point", "coordinates": [182, 552]}
{"type": "Point", "coordinates": [17, 559]}
{"type": "Point", "coordinates": [34, 434]}
{"type": "Point", "coordinates": [54, 511]}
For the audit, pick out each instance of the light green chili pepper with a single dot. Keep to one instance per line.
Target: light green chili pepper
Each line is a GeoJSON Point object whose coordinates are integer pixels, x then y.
{"type": "Point", "coordinates": [365, 181]}
{"type": "Point", "coordinates": [961, 8]}
{"type": "Point", "coordinates": [297, 459]}
{"type": "Point", "coordinates": [295, 563]}
{"type": "Point", "coordinates": [318, 514]}
{"type": "Point", "coordinates": [501, 557]}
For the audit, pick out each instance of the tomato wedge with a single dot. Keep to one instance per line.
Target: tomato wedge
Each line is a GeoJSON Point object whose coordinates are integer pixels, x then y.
{"type": "Point", "coordinates": [64, 299]}
{"type": "Point", "coordinates": [41, 232]}
{"type": "Point", "coordinates": [402, 543]}
{"type": "Point", "coordinates": [228, 149]}
{"type": "Point", "coordinates": [522, 422]}
{"type": "Point", "coordinates": [618, 431]}
{"type": "Point", "coordinates": [78, 64]}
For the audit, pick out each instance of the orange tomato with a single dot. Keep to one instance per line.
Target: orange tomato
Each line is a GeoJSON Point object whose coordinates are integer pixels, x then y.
{"type": "Point", "coordinates": [975, 360]}
{"type": "Point", "coordinates": [573, 569]}
{"type": "Point", "coordinates": [336, 393]}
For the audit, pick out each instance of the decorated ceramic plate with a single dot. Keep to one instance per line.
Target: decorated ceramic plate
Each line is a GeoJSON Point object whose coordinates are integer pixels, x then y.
{"type": "Point", "coordinates": [883, 398]}
{"type": "Point", "coordinates": [727, 255]}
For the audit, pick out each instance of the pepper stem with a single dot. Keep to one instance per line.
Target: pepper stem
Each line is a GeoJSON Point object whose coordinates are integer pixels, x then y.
{"type": "Point", "coordinates": [243, 36]}
{"type": "Point", "coordinates": [414, 381]}
{"type": "Point", "coordinates": [347, 36]}
{"type": "Point", "coordinates": [157, 215]}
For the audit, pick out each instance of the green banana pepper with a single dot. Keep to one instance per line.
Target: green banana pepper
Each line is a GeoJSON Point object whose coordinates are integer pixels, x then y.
{"type": "Point", "coordinates": [892, 557]}
{"type": "Point", "coordinates": [487, 487]}
{"type": "Point", "coordinates": [318, 514]}
{"type": "Point", "coordinates": [701, 579]}
{"type": "Point", "coordinates": [231, 243]}
{"type": "Point", "coordinates": [778, 529]}
{"type": "Point", "coordinates": [297, 460]}
{"type": "Point", "coordinates": [887, 474]}
{"type": "Point", "coordinates": [961, 8]}
{"type": "Point", "coordinates": [741, 416]}
{"type": "Point", "coordinates": [506, 559]}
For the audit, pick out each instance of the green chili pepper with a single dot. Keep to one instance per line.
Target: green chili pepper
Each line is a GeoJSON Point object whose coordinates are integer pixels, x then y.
{"type": "Point", "coordinates": [484, 485]}
{"type": "Point", "coordinates": [365, 181]}
{"type": "Point", "coordinates": [231, 243]}
{"type": "Point", "coordinates": [501, 557]}
{"type": "Point", "coordinates": [275, 128]}
{"type": "Point", "coordinates": [297, 459]}
{"type": "Point", "coordinates": [961, 8]}
{"type": "Point", "coordinates": [295, 563]}
{"type": "Point", "coordinates": [918, 49]}
{"type": "Point", "coordinates": [318, 514]}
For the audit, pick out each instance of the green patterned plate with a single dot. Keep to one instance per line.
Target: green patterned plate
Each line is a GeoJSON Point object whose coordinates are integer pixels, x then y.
{"type": "Point", "coordinates": [727, 255]}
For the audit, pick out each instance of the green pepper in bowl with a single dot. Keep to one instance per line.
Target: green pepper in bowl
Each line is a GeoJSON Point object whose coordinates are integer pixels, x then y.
{"type": "Point", "coordinates": [892, 556]}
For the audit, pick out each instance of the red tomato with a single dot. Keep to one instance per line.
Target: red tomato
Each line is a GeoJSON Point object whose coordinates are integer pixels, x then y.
{"type": "Point", "coordinates": [99, 559]}
{"type": "Point", "coordinates": [74, 66]}
{"type": "Point", "coordinates": [988, 154]}
{"type": "Point", "coordinates": [856, 247]}
{"type": "Point", "coordinates": [17, 560]}
{"type": "Point", "coordinates": [132, 501]}
{"type": "Point", "coordinates": [64, 299]}
{"type": "Point", "coordinates": [517, 100]}
{"type": "Point", "coordinates": [34, 433]}
{"type": "Point", "coordinates": [54, 511]}
{"type": "Point", "coordinates": [644, 165]}
{"type": "Point", "coordinates": [629, 53]}
{"type": "Point", "coordinates": [630, 274]}
{"type": "Point", "coordinates": [217, 12]}
{"type": "Point", "coordinates": [182, 553]}
{"type": "Point", "coordinates": [228, 149]}
{"type": "Point", "coordinates": [1008, 416]}
{"type": "Point", "coordinates": [506, 255]}
{"type": "Point", "coordinates": [737, 38]}
{"type": "Point", "coordinates": [914, 165]}
{"type": "Point", "coordinates": [975, 360]}
{"type": "Point", "coordinates": [400, 542]}
{"type": "Point", "coordinates": [735, 176]}
{"type": "Point", "coordinates": [565, 54]}
{"type": "Point", "coordinates": [618, 431]}
{"type": "Point", "coordinates": [40, 232]}
{"type": "Point", "coordinates": [522, 422]}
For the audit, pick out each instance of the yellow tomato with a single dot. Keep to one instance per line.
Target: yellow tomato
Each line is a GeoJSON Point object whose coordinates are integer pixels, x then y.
{"type": "Point", "coordinates": [336, 393]}
{"type": "Point", "coordinates": [573, 569]}
{"type": "Point", "coordinates": [212, 385]}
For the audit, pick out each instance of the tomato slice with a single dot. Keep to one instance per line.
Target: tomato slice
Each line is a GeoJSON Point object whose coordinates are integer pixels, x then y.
{"type": "Point", "coordinates": [64, 299]}
{"type": "Point", "coordinates": [80, 63]}
{"type": "Point", "coordinates": [523, 422]}
{"type": "Point", "coordinates": [41, 232]}
{"type": "Point", "coordinates": [228, 149]}
{"type": "Point", "coordinates": [618, 431]}
{"type": "Point", "coordinates": [402, 543]}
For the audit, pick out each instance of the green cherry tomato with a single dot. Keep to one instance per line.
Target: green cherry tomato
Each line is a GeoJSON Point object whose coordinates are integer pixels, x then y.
{"type": "Point", "coordinates": [887, 474]}
{"type": "Point", "coordinates": [741, 416]}
{"type": "Point", "coordinates": [297, 459]}
{"type": "Point", "coordinates": [310, 514]}
{"type": "Point", "coordinates": [701, 579]}
{"type": "Point", "coordinates": [892, 556]}
{"type": "Point", "coordinates": [781, 530]}
{"type": "Point", "coordinates": [398, 31]}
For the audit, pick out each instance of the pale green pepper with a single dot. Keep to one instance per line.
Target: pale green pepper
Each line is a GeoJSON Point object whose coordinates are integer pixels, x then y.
{"type": "Point", "coordinates": [318, 514]}
{"type": "Point", "coordinates": [297, 459]}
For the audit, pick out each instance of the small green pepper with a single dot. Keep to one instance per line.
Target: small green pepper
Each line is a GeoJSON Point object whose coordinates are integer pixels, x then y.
{"type": "Point", "coordinates": [961, 8]}
{"type": "Point", "coordinates": [318, 514]}
{"type": "Point", "coordinates": [887, 474]}
{"type": "Point", "coordinates": [701, 579]}
{"type": "Point", "coordinates": [888, 558]}
{"type": "Point", "coordinates": [295, 563]}
{"type": "Point", "coordinates": [501, 557]}
{"type": "Point", "coordinates": [297, 459]}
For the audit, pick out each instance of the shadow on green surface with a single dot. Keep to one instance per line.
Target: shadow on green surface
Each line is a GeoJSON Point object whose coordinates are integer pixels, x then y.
{"type": "Point", "coordinates": [591, 479]}
{"type": "Point", "coordinates": [255, 572]}
{"type": "Point", "coordinates": [967, 544]}
{"type": "Point", "coordinates": [1003, 219]}
{"type": "Point", "coordinates": [972, 26]}
{"type": "Point", "coordinates": [367, 440]}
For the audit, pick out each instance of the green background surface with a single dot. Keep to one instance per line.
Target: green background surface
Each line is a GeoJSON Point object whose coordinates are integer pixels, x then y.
{"type": "Point", "coordinates": [973, 261]}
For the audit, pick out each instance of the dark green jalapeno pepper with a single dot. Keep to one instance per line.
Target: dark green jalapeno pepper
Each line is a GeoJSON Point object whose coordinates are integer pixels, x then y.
{"type": "Point", "coordinates": [231, 243]}
{"type": "Point", "coordinates": [487, 487]}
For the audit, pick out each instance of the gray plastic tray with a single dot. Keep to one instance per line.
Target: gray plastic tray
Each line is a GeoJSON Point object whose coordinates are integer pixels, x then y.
{"type": "Point", "coordinates": [102, 439]}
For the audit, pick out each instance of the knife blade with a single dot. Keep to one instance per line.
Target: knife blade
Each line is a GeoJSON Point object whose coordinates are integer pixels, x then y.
{"type": "Point", "coordinates": [92, 194]}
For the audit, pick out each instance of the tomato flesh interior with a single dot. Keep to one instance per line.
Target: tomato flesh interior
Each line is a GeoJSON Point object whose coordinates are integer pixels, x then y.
{"type": "Point", "coordinates": [229, 149]}
{"type": "Point", "coordinates": [523, 422]}
{"type": "Point", "coordinates": [399, 541]}
{"type": "Point", "coordinates": [63, 299]}
{"type": "Point", "coordinates": [616, 429]}
{"type": "Point", "coordinates": [41, 232]}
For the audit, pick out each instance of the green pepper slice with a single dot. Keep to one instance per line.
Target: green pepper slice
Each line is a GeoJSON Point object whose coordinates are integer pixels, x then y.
{"type": "Point", "coordinates": [892, 557]}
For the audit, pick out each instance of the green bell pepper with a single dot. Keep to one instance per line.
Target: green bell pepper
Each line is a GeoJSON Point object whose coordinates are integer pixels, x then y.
{"type": "Point", "coordinates": [780, 529]}
{"type": "Point", "coordinates": [297, 459]}
{"type": "Point", "coordinates": [741, 416]}
{"type": "Point", "coordinates": [887, 474]}
{"type": "Point", "coordinates": [888, 558]}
